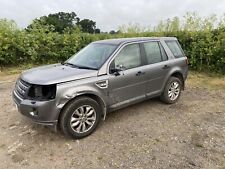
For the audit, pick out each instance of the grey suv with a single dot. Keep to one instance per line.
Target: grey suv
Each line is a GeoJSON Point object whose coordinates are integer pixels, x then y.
{"type": "Point", "coordinates": [104, 76]}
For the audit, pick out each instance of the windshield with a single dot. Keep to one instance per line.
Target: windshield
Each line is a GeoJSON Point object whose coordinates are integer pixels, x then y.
{"type": "Point", "coordinates": [92, 56]}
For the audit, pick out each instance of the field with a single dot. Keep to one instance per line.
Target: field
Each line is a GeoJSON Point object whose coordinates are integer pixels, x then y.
{"type": "Point", "coordinates": [188, 134]}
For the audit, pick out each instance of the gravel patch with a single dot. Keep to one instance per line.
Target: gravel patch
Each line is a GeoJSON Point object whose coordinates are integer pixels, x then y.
{"type": "Point", "coordinates": [188, 134]}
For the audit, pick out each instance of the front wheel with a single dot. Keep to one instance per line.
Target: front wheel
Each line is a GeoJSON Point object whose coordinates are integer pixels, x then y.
{"type": "Point", "coordinates": [80, 117]}
{"type": "Point", "coordinates": [171, 91]}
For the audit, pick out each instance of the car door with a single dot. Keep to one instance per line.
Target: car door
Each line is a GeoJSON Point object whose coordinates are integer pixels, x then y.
{"type": "Point", "coordinates": [157, 67]}
{"type": "Point", "coordinates": [128, 84]}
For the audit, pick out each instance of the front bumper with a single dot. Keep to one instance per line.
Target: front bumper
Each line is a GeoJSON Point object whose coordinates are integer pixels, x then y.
{"type": "Point", "coordinates": [41, 112]}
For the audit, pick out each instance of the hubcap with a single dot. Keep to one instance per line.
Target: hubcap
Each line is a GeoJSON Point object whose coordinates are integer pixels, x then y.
{"type": "Point", "coordinates": [83, 119]}
{"type": "Point", "coordinates": [174, 90]}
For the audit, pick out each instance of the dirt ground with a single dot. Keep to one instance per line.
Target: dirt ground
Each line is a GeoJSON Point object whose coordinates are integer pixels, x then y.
{"type": "Point", "coordinates": [188, 134]}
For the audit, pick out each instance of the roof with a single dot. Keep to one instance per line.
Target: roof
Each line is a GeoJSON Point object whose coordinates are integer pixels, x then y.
{"type": "Point", "coordinates": [128, 40]}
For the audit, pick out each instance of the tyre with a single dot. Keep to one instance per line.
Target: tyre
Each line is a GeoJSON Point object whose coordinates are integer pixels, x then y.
{"type": "Point", "coordinates": [80, 117]}
{"type": "Point", "coordinates": [172, 90]}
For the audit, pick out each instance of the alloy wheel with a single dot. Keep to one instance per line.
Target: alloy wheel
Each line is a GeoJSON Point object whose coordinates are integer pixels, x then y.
{"type": "Point", "coordinates": [83, 119]}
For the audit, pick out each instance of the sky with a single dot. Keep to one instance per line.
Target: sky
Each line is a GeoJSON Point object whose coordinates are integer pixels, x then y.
{"type": "Point", "coordinates": [109, 14]}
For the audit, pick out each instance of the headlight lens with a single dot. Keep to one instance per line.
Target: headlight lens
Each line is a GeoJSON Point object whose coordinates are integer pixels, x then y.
{"type": "Point", "coordinates": [42, 92]}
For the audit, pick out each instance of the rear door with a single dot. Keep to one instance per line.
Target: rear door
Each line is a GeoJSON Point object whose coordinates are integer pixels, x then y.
{"type": "Point", "coordinates": [157, 67]}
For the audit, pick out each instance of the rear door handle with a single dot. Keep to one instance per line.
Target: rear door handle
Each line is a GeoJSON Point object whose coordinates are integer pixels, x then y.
{"type": "Point", "coordinates": [166, 67]}
{"type": "Point", "coordinates": [140, 73]}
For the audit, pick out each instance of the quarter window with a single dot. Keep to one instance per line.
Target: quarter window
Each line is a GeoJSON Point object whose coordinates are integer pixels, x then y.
{"type": "Point", "coordinates": [129, 57]}
{"type": "Point", "coordinates": [175, 49]}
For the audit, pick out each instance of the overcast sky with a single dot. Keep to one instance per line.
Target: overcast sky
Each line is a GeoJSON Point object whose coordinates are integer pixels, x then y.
{"type": "Point", "coordinates": [109, 14]}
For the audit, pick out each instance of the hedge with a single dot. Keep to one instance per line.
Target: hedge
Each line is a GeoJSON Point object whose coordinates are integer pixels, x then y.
{"type": "Point", "coordinates": [205, 49]}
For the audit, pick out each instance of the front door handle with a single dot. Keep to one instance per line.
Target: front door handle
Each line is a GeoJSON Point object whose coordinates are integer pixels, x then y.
{"type": "Point", "coordinates": [166, 67]}
{"type": "Point", "coordinates": [140, 73]}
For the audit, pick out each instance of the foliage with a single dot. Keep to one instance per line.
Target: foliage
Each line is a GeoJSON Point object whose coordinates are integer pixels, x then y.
{"type": "Point", "coordinates": [63, 21]}
{"type": "Point", "coordinates": [203, 40]}
{"type": "Point", "coordinates": [59, 21]}
{"type": "Point", "coordinates": [131, 28]}
{"type": "Point", "coordinates": [87, 25]}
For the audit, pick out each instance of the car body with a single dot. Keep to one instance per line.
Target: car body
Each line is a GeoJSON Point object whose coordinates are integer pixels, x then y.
{"type": "Point", "coordinates": [129, 70]}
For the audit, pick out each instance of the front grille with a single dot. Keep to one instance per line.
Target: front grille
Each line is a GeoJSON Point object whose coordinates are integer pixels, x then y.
{"type": "Point", "coordinates": [22, 88]}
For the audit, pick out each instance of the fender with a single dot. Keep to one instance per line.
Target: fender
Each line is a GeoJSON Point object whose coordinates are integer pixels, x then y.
{"type": "Point", "coordinates": [170, 73]}
{"type": "Point", "coordinates": [67, 92]}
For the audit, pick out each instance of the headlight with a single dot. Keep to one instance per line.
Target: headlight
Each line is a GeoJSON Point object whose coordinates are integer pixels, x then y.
{"type": "Point", "coordinates": [42, 92]}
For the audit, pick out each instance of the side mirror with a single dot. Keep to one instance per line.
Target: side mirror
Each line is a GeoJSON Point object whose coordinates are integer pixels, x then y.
{"type": "Point", "coordinates": [115, 71]}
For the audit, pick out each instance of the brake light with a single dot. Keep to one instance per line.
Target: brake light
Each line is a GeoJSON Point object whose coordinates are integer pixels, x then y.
{"type": "Point", "coordinates": [186, 60]}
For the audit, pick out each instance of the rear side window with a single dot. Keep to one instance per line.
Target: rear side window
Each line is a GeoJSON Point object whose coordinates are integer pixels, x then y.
{"type": "Point", "coordinates": [175, 48]}
{"type": "Point", "coordinates": [154, 52]}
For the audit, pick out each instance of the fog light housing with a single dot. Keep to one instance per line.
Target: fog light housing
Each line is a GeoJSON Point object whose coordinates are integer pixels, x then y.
{"type": "Point", "coordinates": [34, 112]}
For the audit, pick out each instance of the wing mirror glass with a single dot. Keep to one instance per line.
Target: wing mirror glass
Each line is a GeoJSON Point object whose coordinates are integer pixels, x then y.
{"type": "Point", "coordinates": [116, 71]}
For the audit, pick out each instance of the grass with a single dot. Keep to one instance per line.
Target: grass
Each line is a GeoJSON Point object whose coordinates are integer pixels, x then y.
{"type": "Point", "coordinates": [195, 79]}
{"type": "Point", "coordinates": [12, 70]}
{"type": "Point", "coordinates": [199, 145]}
{"type": "Point", "coordinates": [206, 80]}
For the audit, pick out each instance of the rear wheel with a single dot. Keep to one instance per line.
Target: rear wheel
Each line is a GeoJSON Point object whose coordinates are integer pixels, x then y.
{"type": "Point", "coordinates": [172, 90]}
{"type": "Point", "coordinates": [80, 117]}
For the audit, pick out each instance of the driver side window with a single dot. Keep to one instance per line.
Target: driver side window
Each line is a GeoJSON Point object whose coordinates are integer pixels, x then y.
{"type": "Point", "coordinates": [129, 57]}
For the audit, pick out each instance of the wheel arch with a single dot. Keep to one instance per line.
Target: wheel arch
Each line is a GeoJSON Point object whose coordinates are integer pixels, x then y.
{"type": "Point", "coordinates": [93, 96]}
{"type": "Point", "coordinates": [179, 75]}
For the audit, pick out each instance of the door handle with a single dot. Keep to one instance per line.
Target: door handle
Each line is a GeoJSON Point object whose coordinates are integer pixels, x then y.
{"type": "Point", "coordinates": [140, 73]}
{"type": "Point", "coordinates": [166, 67]}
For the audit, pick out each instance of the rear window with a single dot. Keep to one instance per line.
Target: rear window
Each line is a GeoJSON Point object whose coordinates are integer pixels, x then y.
{"type": "Point", "coordinates": [154, 52]}
{"type": "Point", "coordinates": [175, 49]}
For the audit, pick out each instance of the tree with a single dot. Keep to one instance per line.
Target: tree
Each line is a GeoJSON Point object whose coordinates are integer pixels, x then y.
{"type": "Point", "coordinates": [60, 21]}
{"type": "Point", "coordinates": [97, 31]}
{"type": "Point", "coordinates": [87, 25]}
{"type": "Point", "coordinates": [8, 25]}
{"type": "Point", "coordinates": [112, 32]}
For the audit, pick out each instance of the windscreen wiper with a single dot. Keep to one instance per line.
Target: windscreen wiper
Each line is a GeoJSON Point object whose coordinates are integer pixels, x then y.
{"type": "Point", "coordinates": [79, 66]}
{"type": "Point", "coordinates": [85, 67]}
{"type": "Point", "coordinates": [70, 64]}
